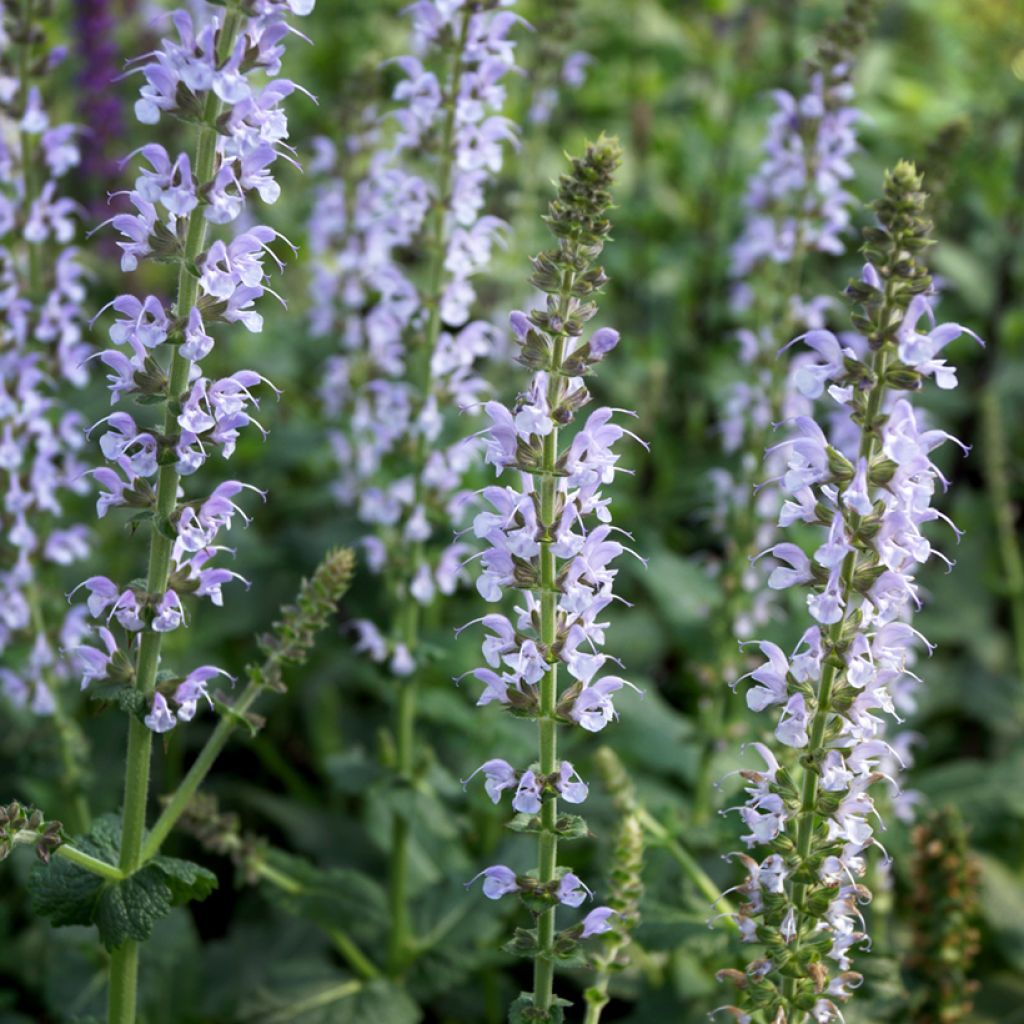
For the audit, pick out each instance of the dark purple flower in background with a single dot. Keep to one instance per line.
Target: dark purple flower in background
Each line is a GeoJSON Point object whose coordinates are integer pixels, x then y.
{"type": "Point", "coordinates": [99, 105]}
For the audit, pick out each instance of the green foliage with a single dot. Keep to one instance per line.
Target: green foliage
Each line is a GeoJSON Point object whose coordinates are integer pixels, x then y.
{"type": "Point", "coordinates": [67, 894]}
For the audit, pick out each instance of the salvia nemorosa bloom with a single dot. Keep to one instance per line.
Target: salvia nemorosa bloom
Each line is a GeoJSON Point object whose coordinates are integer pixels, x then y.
{"type": "Point", "coordinates": [410, 345]}
{"type": "Point", "coordinates": [41, 357]}
{"type": "Point", "coordinates": [861, 474]}
{"type": "Point", "coordinates": [796, 201]}
{"type": "Point", "coordinates": [796, 205]}
{"type": "Point", "coordinates": [550, 541]}
{"type": "Point", "coordinates": [218, 71]}
{"type": "Point", "coordinates": [944, 916]}
{"type": "Point", "coordinates": [554, 67]}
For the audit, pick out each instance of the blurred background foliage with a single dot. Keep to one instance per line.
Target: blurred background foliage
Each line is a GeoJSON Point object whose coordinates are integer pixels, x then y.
{"type": "Point", "coordinates": [684, 84]}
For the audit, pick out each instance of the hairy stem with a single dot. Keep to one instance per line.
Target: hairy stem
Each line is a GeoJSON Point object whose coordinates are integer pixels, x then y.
{"type": "Point", "coordinates": [544, 967]}
{"type": "Point", "coordinates": [830, 673]}
{"type": "Point", "coordinates": [997, 476]}
{"type": "Point", "coordinates": [197, 772]}
{"type": "Point", "coordinates": [124, 963]}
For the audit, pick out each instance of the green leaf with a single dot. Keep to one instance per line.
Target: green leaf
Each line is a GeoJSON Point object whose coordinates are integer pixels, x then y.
{"type": "Point", "coordinates": [187, 880]}
{"type": "Point", "coordinates": [333, 898]}
{"type": "Point", "coordinates": [567, 826]}
{"type": "Point", "coordinates": [129, 909]}
{"type": "Point", "coordinates": [67, 894]}
{"type": "Point", "coordinates": [300, 993]}
{"type": "Point", "coordinates": [522, 1011]}
{"type": "Point", "coordinates": [1002, 903]}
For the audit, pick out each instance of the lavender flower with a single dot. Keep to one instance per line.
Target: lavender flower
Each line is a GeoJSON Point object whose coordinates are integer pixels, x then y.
{"type": "Point", "coordinates": [211, 72]}
{"type": "Point", "coordinates": [796, 205]}
{"type": "Point", "coordinates": [411, 349]}
{"type": "Point", "coordinates": [550, 539]}
{"type": "Point", "coordinates": [41, 356]}
{"type": "Point", "coordinates": [411, 356]}
{"type": "Point", "coordinates": [868, 490]}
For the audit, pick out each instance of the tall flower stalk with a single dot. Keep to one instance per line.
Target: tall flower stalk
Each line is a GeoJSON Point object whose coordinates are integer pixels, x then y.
{"type": "Point", "coordinates": [797, 206]}
{"type": "Point", "coordinates": [41, 359]}
{"type": "Point", "coordinates": [543, 543]}
{"type": "Point", "coordinates": [867, 487]}
{"type": "Point", "coordinates": [213, 76]}
{"type": "Point", "coordinates": [410, 345]}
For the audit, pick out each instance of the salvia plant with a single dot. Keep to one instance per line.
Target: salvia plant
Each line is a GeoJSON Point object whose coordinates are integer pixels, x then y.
{"type": "Point", "coordinates": [550, 539]}
{"type": "Point", "coordinates": [42, 357]}
{"type": "Point", "coordinates": [363, 811]}
{"type": "Point", "coordinates": [218, 75]}
{"type": "Point", "coordinates": [797, 206]}
{"type": "Point", "coordinates": [867, 487]}
{"type": "Point", "coordinates": [410, 346]}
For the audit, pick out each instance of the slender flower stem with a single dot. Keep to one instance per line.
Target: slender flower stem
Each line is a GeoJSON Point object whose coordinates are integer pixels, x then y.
{"type": "Point", "coordinates": [90, 863]}
{"type": "Point", "coordinates": [547, 722]}
{"type": "Point", "coordinates": [71, 853]}
{"type": "Point", "coordinates": [686, 860]}
{"type": "Point", "coordinates": [198, 771]}
{"type": "Point", "coordinates": [997, 478]}
{"type": "Point", "coordinates": [355, 957]}
{"type": "Point", "coordinates": [124, 963]}
{"type": "Point", "coordinates": [66, 729]}
{"type": "Point", "coordinates": [401, 937]}
{"type": "Point", "coordinates": [830, 669]}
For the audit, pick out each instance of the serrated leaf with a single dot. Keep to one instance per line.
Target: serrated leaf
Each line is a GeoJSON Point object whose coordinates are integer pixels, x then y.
{"type": "Point", "coordinates": [69, 895]}
{"type": "Point", "coordinates": [129, 909]}
{"type": "Point", "coordinates": [522, 1011]}
{"type": "Point", "coordinates": [187, 880]}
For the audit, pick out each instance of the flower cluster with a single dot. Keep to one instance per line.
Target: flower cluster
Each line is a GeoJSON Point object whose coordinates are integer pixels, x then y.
{"type": "Point", "coordinates": [796, 205]}
{"type": "Point", "coordinates": [550, 539]}
{"type": "Point", "coordinates": [867, 487]}
{"type": "Point", "coordinates": [41, 355]}
{"type": "Point", "coordinates": [219, 74]}
{"type": "Point", "coordinates": [410, 347]}
{"type": "Point", "coordinates": [796, 200]}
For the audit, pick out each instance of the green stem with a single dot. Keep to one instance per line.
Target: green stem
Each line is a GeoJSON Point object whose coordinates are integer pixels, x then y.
{"type": "Point", "coordinates": [124, 963]}
{"type": "Point", "coordinates": [355, 957]}
{"type": "Point", "coordinates": [124, 974]}
{"type": "Point", "coordinates": [997, 477]}
{"type": "Point", "coordinates": [90, 863]}
{"type": "Point", "coordinates": [597, 998]}
{"type": "Point", "coordinates": [401, 939]}
{"type": "Point", "coordinates": [35, 288]}
{"type": "Point", "coordinates": [544, 965]}
{"type": "Point", "coordinates": [830, 673]}
{"type": "Point", "coordinates": [686, 860]}
{"type": "Point", "coordinates": [197, 772]}
{"type": "Point", "coordinates": [111, 872]}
